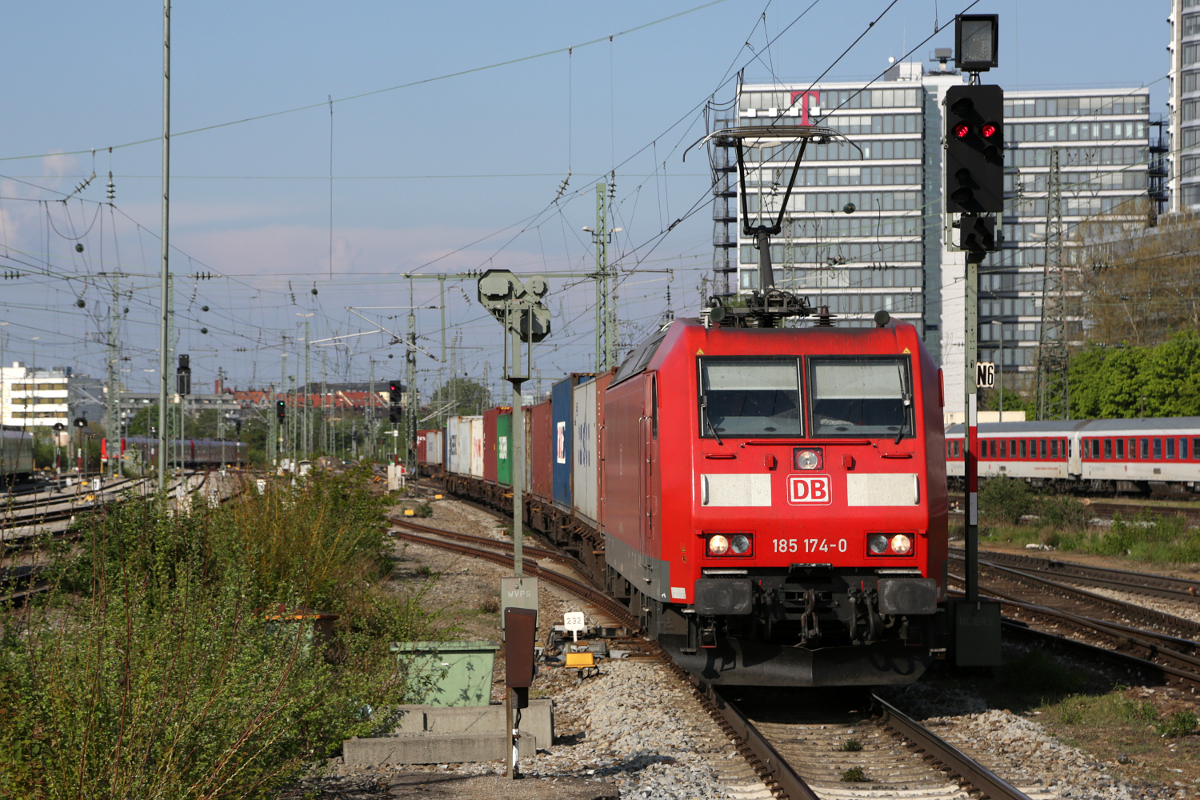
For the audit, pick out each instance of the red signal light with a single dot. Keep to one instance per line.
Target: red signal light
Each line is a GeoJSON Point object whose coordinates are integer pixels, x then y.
{"type": "Point", "coordinates": [961, 130]}
{"type": "Point", "coordinates": [988, 130]}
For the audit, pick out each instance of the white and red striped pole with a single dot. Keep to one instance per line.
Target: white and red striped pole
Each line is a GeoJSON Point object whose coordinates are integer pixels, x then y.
{"type": "Point", "coordinates": [971, 454]}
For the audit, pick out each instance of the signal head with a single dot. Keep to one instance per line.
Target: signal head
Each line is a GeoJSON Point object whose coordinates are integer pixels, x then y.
{"type": "Point", "coordinates": [989, 130]}
{"type": "Point", "coordinates": [961, 130]}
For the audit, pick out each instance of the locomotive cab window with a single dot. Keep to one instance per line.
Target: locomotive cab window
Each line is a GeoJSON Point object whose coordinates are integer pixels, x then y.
{"type": "Point", "coordinates": [749, 397]}
{"type": "Point", "coordinates": [860, 396]}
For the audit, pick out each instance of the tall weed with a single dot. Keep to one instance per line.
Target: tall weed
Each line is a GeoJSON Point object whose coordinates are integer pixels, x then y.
{"type": "Point", "coordinates": [152, 671]}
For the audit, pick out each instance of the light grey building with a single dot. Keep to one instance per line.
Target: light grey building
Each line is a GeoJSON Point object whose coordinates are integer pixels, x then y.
{"type": "Point", "coordinates": [866, 227]}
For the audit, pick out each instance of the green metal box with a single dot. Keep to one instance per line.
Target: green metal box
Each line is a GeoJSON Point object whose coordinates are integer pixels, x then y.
{"type": "Point", "coordinates": [456, 673]}
{"type": "Point", "coordinates": [977, 634]}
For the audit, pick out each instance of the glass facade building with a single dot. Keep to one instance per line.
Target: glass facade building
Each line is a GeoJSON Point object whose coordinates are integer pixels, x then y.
{"type": "Point", "coordinates": [1184, 106]}
{"type": "Point", "coordinates": [853, 237]}
{"type": "Point", "coordinates": [866, 227]}
{"type": "Point", "coordinates": [1102, 140]}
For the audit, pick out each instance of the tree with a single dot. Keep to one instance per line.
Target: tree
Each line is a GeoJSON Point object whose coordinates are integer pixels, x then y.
{"type": "Point", "coordinates": [1139, 283]}
{"type": "Point", "coordinates": [464, 396]}
{"type": "Point", "coordinates": [1125, 382]}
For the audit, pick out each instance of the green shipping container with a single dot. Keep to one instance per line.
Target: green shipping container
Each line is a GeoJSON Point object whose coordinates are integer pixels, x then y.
{"type": "Point", "coordinates": [455, 673]}
{"type": "Point", "coordinates": [504, 449]}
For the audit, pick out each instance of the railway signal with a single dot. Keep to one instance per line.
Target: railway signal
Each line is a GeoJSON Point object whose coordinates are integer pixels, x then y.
{"type": "Point", "coordinates": [183, 376]}
{"type": "Point", "coordinates": [395, 409]}
{"type": "Point", "coordinates": [974, 149]}
{"type": "Point", "coordinates": [281, 409]}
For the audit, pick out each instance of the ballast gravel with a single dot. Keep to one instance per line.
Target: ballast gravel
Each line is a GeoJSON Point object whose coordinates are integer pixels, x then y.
{"type": "Point", "coordinates": [1021, 750]}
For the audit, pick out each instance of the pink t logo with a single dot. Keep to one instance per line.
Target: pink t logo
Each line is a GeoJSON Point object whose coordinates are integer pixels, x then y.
{"type": "Point", "coordinates": [804, 97]}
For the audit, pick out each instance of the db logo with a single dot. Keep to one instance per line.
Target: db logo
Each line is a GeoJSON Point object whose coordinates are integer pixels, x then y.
{"type": "Point", "coordinates": [808, 489]}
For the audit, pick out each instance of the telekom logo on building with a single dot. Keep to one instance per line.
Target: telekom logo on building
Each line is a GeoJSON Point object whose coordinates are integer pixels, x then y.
{"type": "Point", "coordinates": [805, 98]}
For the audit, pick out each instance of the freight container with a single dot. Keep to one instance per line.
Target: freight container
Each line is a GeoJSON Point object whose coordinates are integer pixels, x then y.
{"type": "Point", "coordinates": [505, 448]}
{"type": "Point", "coordinates": [584, 470]}
{"type": "Point", "coordinates": [562, 434]}
{"type": "Point", "coordinates": [527, 472]}
{"type": "Point", "coordinates": [476, 452]}
{"type": "Point", "coordinates": [602, 382]}
{"type": "Point", "coordinates": [422, 439]}
{"type": "Point", "coordinates": [541, 439]}
{"type": "Point", "coordinates": [458, 444]}
{"type": "Point", "coordinates": [489, 444]}
{"type": "Point", "coordinates": [433, 447]}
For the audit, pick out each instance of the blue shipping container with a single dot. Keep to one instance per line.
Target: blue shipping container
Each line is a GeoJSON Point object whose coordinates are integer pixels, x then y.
{"type": "Point", "coordinates": [560, 415]}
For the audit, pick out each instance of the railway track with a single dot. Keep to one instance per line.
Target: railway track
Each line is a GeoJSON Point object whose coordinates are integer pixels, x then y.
{"type": "Point", "coordinates": [1140, 583]}
{"type": "Point", "coordinates": [1169, 660]}
{"type": "Point", "coordinates": [1031, 587]}
{"type": "Point", "coordinates": [1108, 509]}
{"type": "Point", "coordinates": [902, 750]}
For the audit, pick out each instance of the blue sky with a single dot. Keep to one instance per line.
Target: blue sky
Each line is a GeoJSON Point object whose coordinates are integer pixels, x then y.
{"type": "Point", "coordinates": [451, 129]}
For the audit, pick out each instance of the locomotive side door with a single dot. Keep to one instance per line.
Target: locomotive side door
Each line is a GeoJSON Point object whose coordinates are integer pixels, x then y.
{"type": "Point", "coordinates": [646, 473]}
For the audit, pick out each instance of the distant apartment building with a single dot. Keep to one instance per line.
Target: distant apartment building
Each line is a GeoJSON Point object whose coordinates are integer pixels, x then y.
{"type": "Point", "coordinates": [1184, 106]}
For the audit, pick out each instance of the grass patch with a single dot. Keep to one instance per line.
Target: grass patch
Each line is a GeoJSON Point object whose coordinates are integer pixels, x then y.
{"type": "Point", "coordinates": [1106, 710]}
{"type": "Point", "coordinates": [854, 775]}
{"type": "Point", "coordinates": [851, 746]}
{"type": "Point", "coordinates": [424, 510]}
{"type": "Point", "coordinates": [155, 668]}
{"type": "Point", "coordinates": [1144, 537]}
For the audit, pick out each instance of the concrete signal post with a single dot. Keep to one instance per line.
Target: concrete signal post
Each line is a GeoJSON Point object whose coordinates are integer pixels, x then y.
{"type": "Point", "coordinates": [518, 307]}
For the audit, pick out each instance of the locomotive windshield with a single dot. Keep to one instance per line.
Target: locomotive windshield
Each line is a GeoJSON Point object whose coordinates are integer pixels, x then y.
{"type": "Point", "coordinates": [749, 397]}
{"type": "Point", "coordinates": [861, 396]}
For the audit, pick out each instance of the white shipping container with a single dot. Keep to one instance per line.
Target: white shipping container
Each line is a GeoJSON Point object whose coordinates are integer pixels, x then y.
{"type": "Point", "coordinates": [585, 472]}
{"type": "Point", "coordinates": [433, 447]}
{"type": "Point", "coordinates": [476, 447]}
{"type": "Point", "coordinates": [459, 429]}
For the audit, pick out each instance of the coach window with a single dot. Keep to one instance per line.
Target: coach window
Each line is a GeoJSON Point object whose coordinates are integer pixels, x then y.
{"type": "Point", "coordinates": [1132, 448]}
{"type": "Point", "coordinates": [1183, 449]}
{"type": "Point", "coordinates": [1121, 449]}
{"type": "Point", "coordinates": [1004, 448]}
{"type": "Point", "coordinates": [992, 449]}
{"type": "Point", "coordinates": [1157, 447]}
{"type": "Point", "coordinates": [1012, 447]}
{"type": "Point", "coordinates": [1023, 450]}
{"type": "Point", "coordinates": [1043, 447]}
{"type": "Point", "coordinates": [1108, 448]}
{"type": "Point", "coordinates": [749, 397]}
{"type": "Point", "coordinates": [1196, 447]}
{"type": "Point", "coordinates": [1170, 447]}
{"type": "Point", "coordinates": [861, 396]}
{"type": "Point", "coordinates": [1095, 448]}
{"type": "Point", "coordinates": [1145, 448]}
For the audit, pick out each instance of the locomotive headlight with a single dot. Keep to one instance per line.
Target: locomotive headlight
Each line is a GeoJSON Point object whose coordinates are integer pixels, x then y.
{"type": "Point", "coordinates": [901, 544]}
{"type": "Point", "coordinates": [877, 544]}
{"type": "Point", "coordinates": [718, 545]}
{"type": "Point", "coordinates": [739, 544]}
{"type": "Point", "coordinates": [808, 458]}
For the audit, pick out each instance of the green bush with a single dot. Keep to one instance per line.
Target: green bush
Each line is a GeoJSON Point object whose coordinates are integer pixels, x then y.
{"type": "Point", "coordinates": [1005, 500]}
{"type": "Point", "coordinates": [1062, 513]}
{"type": "Point", "coordinates": [154, 668]}
{"type": "Point", "coordinates": [1181, 723]}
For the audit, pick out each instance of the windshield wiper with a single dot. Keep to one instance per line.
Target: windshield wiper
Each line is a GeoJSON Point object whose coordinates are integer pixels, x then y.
{"type": "Point", "coordinates": [708, 422]}
{"type": "Point", "coordinates": [906, 400]}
